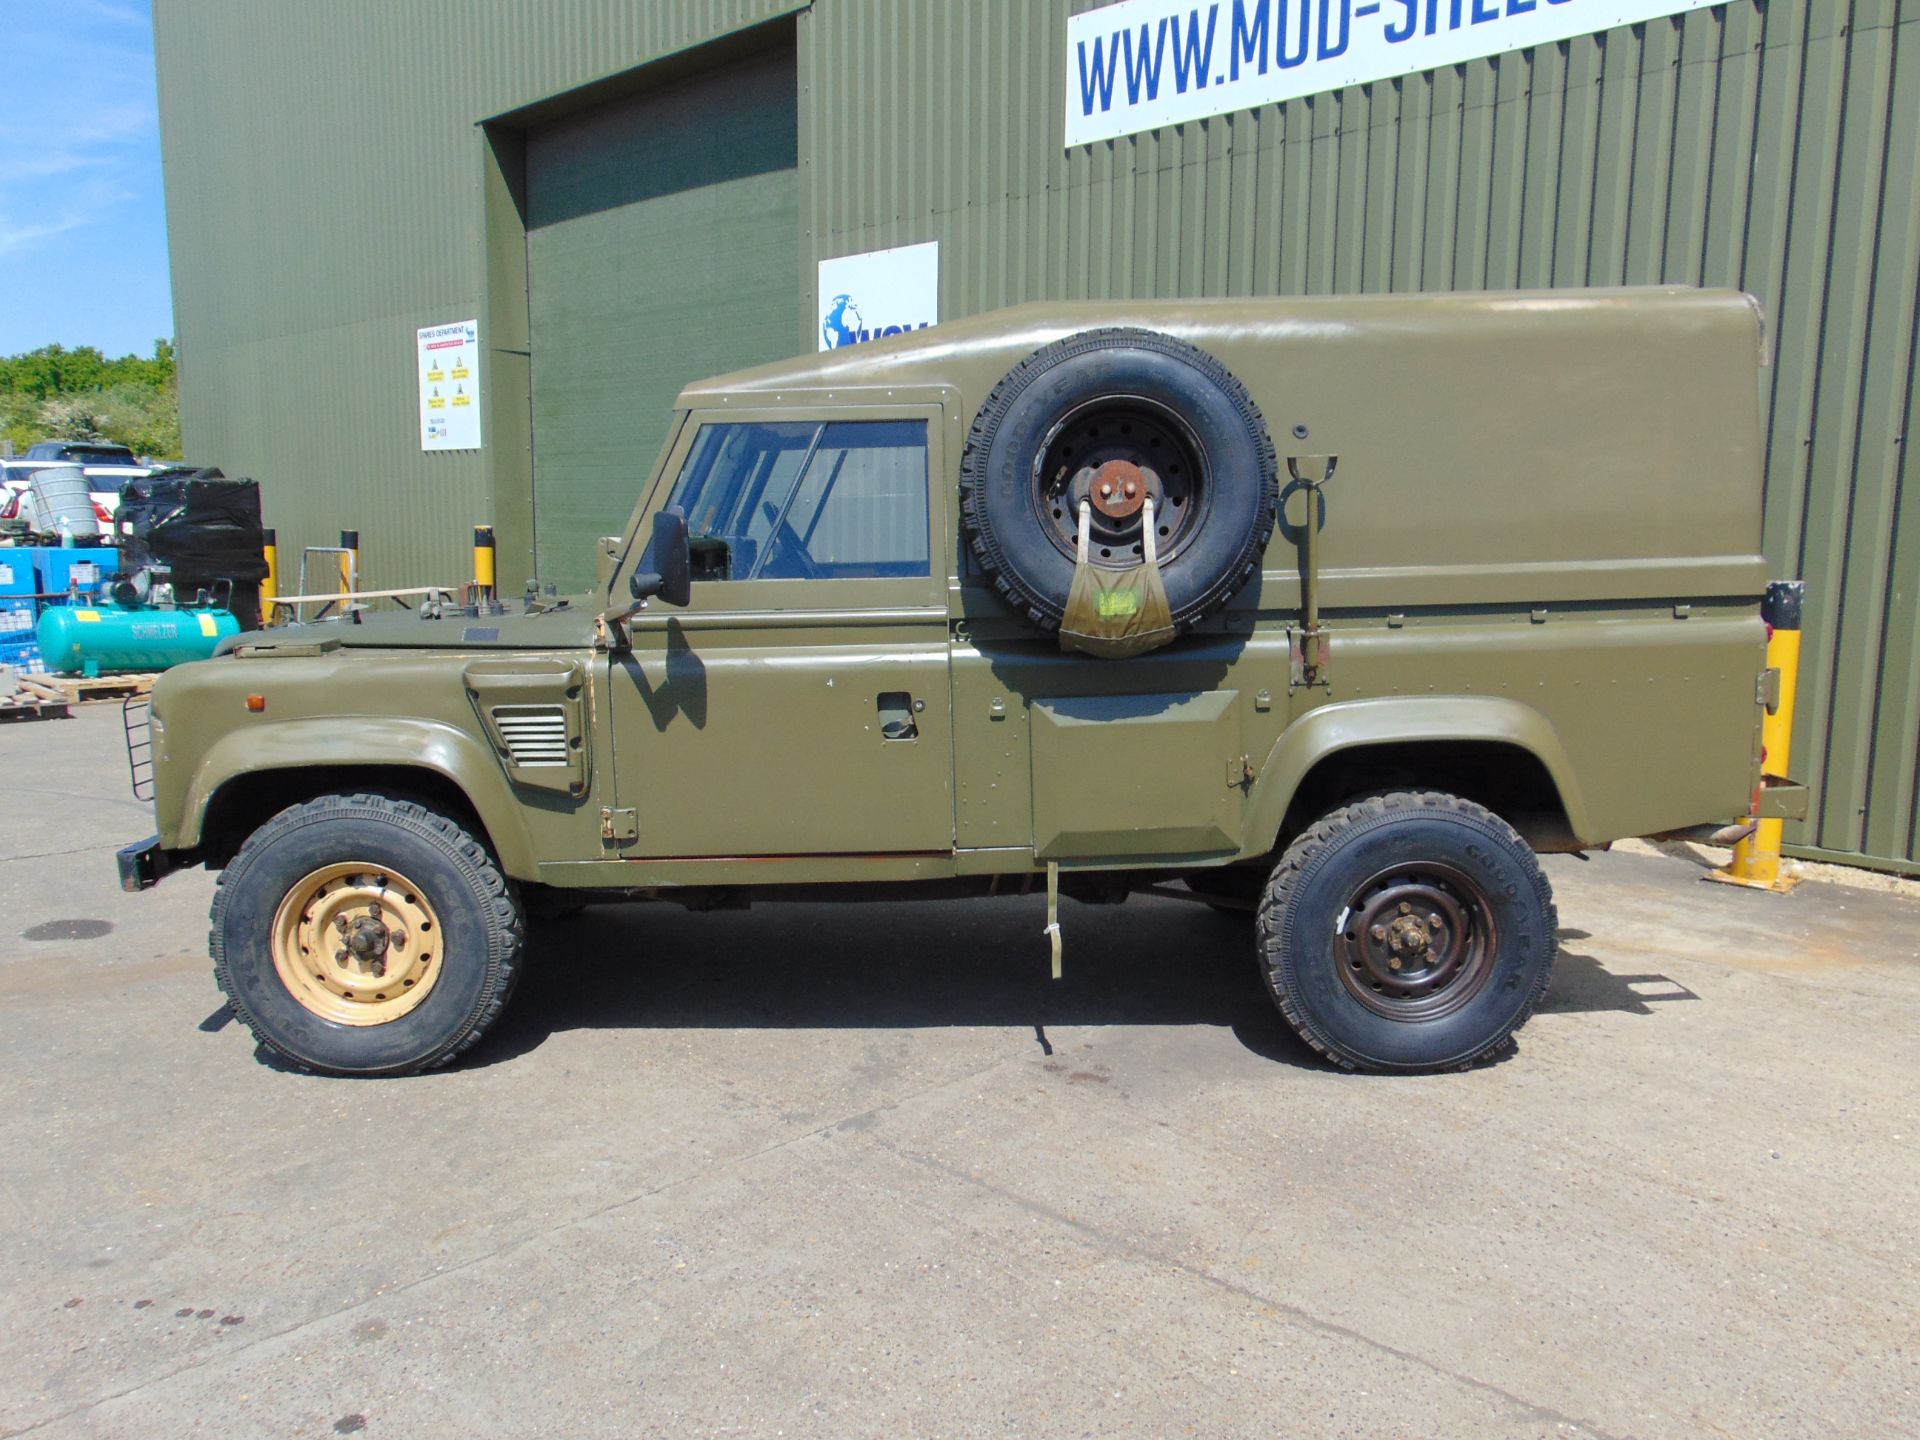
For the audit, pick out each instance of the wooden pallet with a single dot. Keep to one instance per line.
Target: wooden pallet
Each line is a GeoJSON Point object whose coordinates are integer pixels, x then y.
{"type": "Point", "coordinates": [22, 707]}
{"type": "Point", "coordinates": [79, 689]}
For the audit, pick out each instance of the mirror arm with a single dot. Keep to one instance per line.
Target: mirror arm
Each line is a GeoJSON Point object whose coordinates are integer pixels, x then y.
{"type": "Point", "coordinates": [610, 629]}
{"type": "Point", "coordinates": [670, 582]}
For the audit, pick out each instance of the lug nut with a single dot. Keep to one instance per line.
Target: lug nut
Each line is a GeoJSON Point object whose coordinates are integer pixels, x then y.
{"type": "Point", "coordinates": [1433, 922]}
{"type": "Point", "coordinates": [1379, 932]}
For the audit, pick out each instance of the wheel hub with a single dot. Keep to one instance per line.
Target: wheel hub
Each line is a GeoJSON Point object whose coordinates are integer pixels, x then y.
{"type": "Point", "coordinates": [368, 939]}
{"type": "Point", "coordinates": [1115, 455]}
{"type": "Point", "coordinates": [357, 943]}
{"type": "Point", "coordinates": [1416, 942]}
{"type": "Point", "coordinates": [1119, 488]}
{"type": "Point", "coordinates": [1408, 939]}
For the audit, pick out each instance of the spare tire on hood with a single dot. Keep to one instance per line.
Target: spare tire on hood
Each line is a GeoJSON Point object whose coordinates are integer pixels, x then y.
{"type": "Point", "coordinates": [1113, 417]}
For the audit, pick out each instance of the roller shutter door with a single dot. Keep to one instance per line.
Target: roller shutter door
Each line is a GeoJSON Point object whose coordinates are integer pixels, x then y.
{"type": "Point", "coordinates": [662, 247]}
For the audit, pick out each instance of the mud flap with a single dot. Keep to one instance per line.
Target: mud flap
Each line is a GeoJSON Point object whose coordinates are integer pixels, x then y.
{"type": "Point", "coordinates": [1115, 614]}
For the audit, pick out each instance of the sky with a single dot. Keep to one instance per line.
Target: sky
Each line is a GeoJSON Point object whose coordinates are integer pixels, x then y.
{"type": "Point", "coordinates": [83, 240]}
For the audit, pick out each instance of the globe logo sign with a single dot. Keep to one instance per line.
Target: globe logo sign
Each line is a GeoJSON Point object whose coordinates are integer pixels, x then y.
{"type": "Point", "coordinates": [898, 290]}
{"type": "Point", "coordinates": [842, 325]}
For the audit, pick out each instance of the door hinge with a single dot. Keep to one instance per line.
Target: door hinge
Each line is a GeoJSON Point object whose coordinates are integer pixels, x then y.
{"type": "Point", "coordinates": [619, 827]}
{"type": "Point", "coordinates": [1766, 693]}
{"type": "Point", "coordinates": [1310, 657]}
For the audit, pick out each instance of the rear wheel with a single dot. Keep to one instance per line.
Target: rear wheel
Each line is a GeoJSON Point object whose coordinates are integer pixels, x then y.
{"type": "Point", "coordinates": [1408, 932]}
{"type": "Point", "coordinates": [365, 935]}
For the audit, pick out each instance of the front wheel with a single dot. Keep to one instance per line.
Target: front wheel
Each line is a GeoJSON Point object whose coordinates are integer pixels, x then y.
{"type": "Point", "coordinates": [1408, 932]}
{"type": "Point", "coordinates": [365, 935]}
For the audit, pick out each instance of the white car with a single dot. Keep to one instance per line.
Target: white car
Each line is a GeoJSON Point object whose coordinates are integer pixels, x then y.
{"type": "Point", "coordinates": [103, 483]}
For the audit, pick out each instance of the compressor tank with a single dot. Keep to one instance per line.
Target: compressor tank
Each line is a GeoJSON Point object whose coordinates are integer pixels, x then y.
{"type": "Point", "coordinates": [103, 639]}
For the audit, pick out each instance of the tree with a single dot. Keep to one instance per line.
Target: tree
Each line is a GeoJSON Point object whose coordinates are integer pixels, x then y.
{"type": "Point", "coordinates": [54, 393]}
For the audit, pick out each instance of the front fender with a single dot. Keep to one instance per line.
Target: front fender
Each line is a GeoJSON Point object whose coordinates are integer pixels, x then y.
{"type": "Point", "coordinates": [363, 741]}
{"type": "Point", "coordinates": [1395, 719]}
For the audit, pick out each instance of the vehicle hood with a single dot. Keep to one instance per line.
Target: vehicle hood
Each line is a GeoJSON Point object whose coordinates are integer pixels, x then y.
{"type": "Point", "coordinates": [569, 627]}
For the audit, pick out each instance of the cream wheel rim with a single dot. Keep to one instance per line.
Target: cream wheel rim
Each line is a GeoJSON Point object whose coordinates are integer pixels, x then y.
{"type": "Point", "coordinates": [357, 943]}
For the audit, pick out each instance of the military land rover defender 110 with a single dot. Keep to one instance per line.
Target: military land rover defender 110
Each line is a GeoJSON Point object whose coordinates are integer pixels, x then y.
{"type": "Point", "coordinates": [1334, 611]}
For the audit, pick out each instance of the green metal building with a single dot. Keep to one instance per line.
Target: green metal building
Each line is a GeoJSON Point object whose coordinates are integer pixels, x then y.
{"type": "Point", "coordinates": [630, 194]}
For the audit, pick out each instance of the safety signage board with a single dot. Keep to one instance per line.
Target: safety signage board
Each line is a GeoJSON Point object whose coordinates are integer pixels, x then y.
{"type": "Point", "coordinates": [1141, 64]}
{"type": "Point", "coordinates": [449, 358]}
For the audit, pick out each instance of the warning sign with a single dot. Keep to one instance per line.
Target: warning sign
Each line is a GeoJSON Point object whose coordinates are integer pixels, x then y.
{"type": "Point", "coordinates": [449, 371]}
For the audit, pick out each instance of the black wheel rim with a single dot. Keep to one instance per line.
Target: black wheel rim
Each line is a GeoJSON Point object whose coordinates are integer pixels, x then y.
{"type": "Point", "coordinates": [1416, 941]}
{"type": "Point", "coordinates": [1120, 440]}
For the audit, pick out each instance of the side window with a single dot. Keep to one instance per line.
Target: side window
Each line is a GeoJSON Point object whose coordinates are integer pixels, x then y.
{"type": "Point", "coordinates": [807, 501]}
{"type": "Point", "coordinates": [724, 486]}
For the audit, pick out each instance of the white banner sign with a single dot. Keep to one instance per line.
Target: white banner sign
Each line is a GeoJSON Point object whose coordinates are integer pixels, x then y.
{"type": "Point", "coordinates": [1141, 64]}
{"type": "Point", "coordinates": [449, 369]}
{"type": "Point", "coordinates": [881, 293]}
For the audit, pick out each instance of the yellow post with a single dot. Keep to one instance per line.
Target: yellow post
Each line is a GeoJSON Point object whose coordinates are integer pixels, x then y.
{"type": "Point", "coordinates": [349, 562]}
{"type": "Point", "coordinates": [483, 566]}
{"type": "Point", "coordinates": [1756, 859]}
{"type": "Point", "coordinates": [270, 586]}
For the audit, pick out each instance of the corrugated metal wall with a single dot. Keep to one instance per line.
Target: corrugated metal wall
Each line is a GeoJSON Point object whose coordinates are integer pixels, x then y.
{"type": "Point", "coordinates": [325, 180]}
{"type": "Point", "coordinates": [1774, 146]}
{"type": "Point", "coordinates": [326, 195]}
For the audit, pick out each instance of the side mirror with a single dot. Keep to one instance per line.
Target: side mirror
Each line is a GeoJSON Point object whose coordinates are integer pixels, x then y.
{"type": "Point", "coordinates": [673, 581]}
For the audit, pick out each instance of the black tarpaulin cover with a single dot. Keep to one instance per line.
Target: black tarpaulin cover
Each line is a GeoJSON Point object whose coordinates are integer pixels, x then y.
{"type": "Point", "coordinates": [196, 523]}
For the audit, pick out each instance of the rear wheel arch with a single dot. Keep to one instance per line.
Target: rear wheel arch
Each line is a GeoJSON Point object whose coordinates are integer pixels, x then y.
{"type": "Point", "coordinates": [1497, 753]}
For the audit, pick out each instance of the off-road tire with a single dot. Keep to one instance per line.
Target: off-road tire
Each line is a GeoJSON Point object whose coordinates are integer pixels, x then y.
{"type": "Point", "coordinates": [481, 948]}
{"type": "Point", "coordinates": [1006, 440]}
{"type": "Point", "coordinates": [1311, 894]}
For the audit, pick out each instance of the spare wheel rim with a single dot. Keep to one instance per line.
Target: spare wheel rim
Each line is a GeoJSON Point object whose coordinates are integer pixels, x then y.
{"type": "Point", "coordinates": [1120, 441]}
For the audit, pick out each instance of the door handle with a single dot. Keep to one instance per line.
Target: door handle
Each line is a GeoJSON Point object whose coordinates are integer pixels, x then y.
{"type": "Point", "coordinates": [897, 709]}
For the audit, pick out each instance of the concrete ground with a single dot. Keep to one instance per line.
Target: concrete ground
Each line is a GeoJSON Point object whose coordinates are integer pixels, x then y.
{"type": "Point", "coordinates": [819, 1171]}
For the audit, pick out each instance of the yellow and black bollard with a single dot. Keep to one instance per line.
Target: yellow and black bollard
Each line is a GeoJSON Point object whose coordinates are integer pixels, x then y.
{"type": "Point", "coordinates": [1756, 857]}
{"type": "Point", "coordinates": [484, 573]}
{"type": "Point", "coordinates": [350, 561]}
{"type": "Point", "coordinates": [270, 584]}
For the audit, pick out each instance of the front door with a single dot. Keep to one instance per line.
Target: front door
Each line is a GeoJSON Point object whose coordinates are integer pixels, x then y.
{"type": "Point", "coordinates": [799, 704]}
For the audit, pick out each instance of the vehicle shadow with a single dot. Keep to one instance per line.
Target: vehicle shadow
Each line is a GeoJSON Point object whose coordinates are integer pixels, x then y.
{"type": "Point", "coordinates": [883, 965]}
{"type": "Point", "coordinates": [891, 966]}
{"type": "Point", "coordinates": [1583, 986]}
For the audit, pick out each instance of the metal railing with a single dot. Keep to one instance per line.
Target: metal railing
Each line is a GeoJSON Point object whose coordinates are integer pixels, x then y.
{"type": "Point", "coordinates": [136, 719]}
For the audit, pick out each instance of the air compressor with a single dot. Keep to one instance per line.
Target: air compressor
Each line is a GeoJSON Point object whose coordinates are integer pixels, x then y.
{"type": "Point", "coordinates": [191, 562]}
{"type": "Point", "coordinates": [103, 638]}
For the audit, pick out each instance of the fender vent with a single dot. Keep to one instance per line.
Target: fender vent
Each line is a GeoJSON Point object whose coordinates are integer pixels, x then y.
{"type": "Point", "coordinates": [535, 735]}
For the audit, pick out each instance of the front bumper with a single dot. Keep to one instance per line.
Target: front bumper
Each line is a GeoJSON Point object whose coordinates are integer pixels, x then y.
{"type": "Point", "coordinates": [144, 864]}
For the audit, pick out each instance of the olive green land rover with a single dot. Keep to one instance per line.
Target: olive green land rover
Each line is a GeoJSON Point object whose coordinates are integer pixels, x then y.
{"type": "Point", "coordinates": [1332, 611]}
